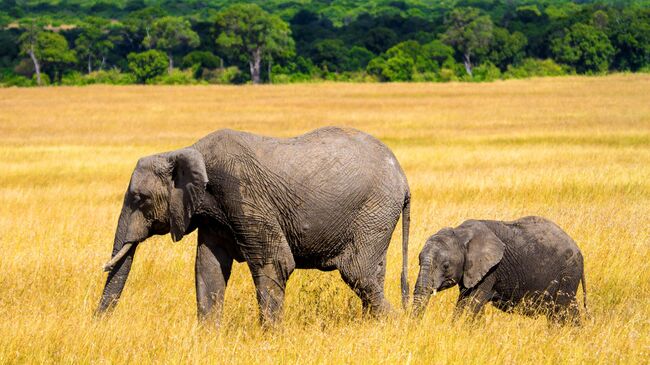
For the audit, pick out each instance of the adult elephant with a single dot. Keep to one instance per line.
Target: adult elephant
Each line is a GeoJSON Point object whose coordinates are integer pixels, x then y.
{"type": "Point", "coordinates": [329, 199]}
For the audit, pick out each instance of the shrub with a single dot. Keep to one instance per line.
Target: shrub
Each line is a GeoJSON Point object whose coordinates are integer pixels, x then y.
{"type": "Point", "coordinates": [645, 69]}
{"type": "Point", "coordinates": [147, 65]}
{"type": "Point", "coordinates": [74, 78]}
{"type": "Point", "coordinates": [486, 72]}
{"type": "Point", "coordinates": [177, 77]}
{"type": "Point", "coordinates": [228, 75]}
{"type": "Point", "coordinates": [45, 79]}
{"type": "Point", "coordinates": [201, 60]}
{"type": "Point", "coordinates": [111, 77]}
{"type": "Point", "coordinates": [360, 76]}
{"type": "Point", "coordinates": [291, 78]}
{"type": "Point", "coordinates": [532, 67]}
{"type": "Point", "coordinates": [7, 80]}
{"type": "Point", "coordinates": [447, 74]}
{"type": "Point", "coordinates": [425, 76]}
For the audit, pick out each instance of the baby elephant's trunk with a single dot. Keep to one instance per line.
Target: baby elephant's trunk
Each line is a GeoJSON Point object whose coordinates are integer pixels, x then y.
{"type": "Point", "coordinates": [420, 302]}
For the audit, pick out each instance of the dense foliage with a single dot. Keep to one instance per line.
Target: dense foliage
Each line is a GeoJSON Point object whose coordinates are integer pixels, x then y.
{"type": "Point", "coordinates": [230, 41]}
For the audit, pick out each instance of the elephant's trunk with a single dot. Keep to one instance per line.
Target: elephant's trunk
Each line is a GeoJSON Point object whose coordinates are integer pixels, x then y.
{"type": "Point", "coordinates": [422, 293]}
{"type": "Point", "coordinates": [420, 302]}
{"type": "Point", "coordinates": [120, 265]}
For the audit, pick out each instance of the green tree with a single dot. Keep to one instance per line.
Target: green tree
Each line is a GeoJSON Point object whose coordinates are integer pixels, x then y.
{"type": "Point", "coordinates": [408, 59]}
{"type": "Point", "coordinates": [469, 32]}
{"type": "Point", "coordinates": [249, 33]}
{"type": "Point", "coordinates": [438, 52]}
{"type": "Point", "coordinates": [358, 58]}
{"type": "Point", "coordinates": [202, 61]}
{"type": "Point", "coordinates": [96, 40]}
{"type": "Point", "coordinates": [400, 67]}
{"type": "Point", "coordinates": [380, 39]}
{"type": "Point", "coordinates": [506, 48]}
{"type": "Point", "coordinates": [147, 65]}
{"type": "Point", "coordinates": [48, 51]}
{"type": "Point", "coordinates": [169, 34]}
{"type": "Point", "coordinates": [329, 54]}
{"type": "Point", "coordinates": [585, 48]}
{"type": "Point", "coordinates": [137, 26]}
{"type": "Point", "coordinates": [629, 32]}
{"type": "Point", "coordinates": [29, 45]}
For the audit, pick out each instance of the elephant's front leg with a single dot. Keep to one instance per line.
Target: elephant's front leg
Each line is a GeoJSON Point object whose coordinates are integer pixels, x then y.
{"type": "Point", "coordinates": [474, 299]}
{"type": "Point", "coordinates": [212, 271]}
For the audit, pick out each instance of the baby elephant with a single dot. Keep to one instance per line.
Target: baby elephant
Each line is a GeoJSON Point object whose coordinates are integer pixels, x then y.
{"type": "Point", "coordinates": [530, 260]}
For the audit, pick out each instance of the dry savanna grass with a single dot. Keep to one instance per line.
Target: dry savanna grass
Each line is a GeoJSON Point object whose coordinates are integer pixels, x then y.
{"type": "Point", "coordinates": [573, 149]}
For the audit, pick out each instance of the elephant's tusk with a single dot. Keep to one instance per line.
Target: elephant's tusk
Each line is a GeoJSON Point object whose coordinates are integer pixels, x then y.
{"type": "Point", "coordinates": [109, 265]}
{"type": "Point", "coordinates": [434, 292]}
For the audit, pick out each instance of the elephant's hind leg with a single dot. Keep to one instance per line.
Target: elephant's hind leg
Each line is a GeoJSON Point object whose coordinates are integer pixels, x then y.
{"type": "Point", "coordinates": [270, 273]}
{"type": "Point", "coordinates": [367, 287]}
{"type": "Point", "coordinates": [564, 307]}
{"type": "Point", "coordinates": [212, 271]}
{"type": "Point", "coordinates": [565, 313]}
{"type": "Point", "coordinates": [365, 275]}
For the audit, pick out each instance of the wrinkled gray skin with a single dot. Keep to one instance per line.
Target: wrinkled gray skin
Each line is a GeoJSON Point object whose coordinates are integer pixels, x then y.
{"type": "Point", "coordinates": [529, 260]}
{"type": "Point", "coordinates": [326, 200]}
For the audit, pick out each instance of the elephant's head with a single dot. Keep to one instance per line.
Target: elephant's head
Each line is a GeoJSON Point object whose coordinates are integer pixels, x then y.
{"type": "Point", "coordinates": [461, 255]}
{"type": "Point", "coordinates": [164, 192]}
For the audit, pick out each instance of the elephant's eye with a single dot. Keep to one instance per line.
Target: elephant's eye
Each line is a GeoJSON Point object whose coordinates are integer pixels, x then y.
{"type": "Point", "coordinates": [139, 199]}
{"type": "Point", "coordinates": [445, 266]}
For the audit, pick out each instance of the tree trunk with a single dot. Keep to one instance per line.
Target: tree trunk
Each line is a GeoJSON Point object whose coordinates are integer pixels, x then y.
{"type": "Point", "coordinates": [171, 63]}
{"type": "Point", "coordinates": [101, 65]}
{"type": "Point", "coordinates": [468, 63]}
{"type": "Point", "coordinates": [90, 66]}
{"type": "Point", "coordinates": [37, 66]}
{"type": "Point", "coordinates": [269, 69]}
{"type": "Point", "coordinates": [255, 64]}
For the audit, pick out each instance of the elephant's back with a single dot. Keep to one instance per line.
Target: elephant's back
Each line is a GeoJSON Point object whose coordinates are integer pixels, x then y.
{"type": "Point", "coordinates": [539, 256]}
{"type": "Point", "coordinates": [538, 233]}
{"type": "Point", "coordinates": [325, 158]}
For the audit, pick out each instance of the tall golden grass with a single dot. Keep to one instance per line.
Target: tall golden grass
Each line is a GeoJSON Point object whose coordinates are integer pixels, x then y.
{"type": "Point", "coordinates": [573, 149]}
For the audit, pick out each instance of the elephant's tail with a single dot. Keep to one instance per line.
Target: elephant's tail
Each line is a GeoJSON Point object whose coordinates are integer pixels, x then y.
{"type": "Point", "coordinates": [406, 222]}
{"type": "Point", "coordinates": [584, 294]}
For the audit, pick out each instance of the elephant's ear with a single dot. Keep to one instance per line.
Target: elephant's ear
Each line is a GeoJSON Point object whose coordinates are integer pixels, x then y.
{"type": "Point", "coordinates": [189, 180]}
{"type": "Point", "coordinates": [483, 250]}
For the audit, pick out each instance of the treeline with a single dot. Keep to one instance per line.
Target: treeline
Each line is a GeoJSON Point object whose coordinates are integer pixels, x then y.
{"type": "Point", "coordinates": [280, 41]}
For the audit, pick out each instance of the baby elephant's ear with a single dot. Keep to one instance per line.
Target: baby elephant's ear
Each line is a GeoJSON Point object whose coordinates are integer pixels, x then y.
{"type": "Point", "coordinates": [483, 250]}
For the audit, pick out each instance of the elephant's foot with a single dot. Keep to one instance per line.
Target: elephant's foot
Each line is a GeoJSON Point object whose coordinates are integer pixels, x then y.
{"type": "Point", "coordinates": [380, 309]}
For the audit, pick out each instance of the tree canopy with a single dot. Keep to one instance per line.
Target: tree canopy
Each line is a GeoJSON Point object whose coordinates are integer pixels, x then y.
{"type": "Point", "coordinates": [287, 41]}
{"type": "Point", "coordinates": [248, 33]}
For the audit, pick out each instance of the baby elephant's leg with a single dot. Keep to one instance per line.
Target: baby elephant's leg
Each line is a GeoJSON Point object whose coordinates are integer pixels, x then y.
{"type": "Point", "coordinates": [564, 311]}
{"type": "Point", "coordinates": [474, 299]}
